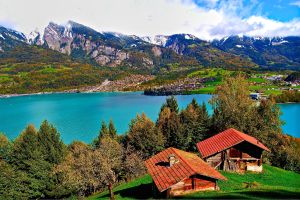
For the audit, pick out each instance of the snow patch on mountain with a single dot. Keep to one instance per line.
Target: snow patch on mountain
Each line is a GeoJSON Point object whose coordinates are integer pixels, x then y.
{"type": "Point", "coordinates": [189, 37]}
{"type": "Point", "coordinates": [68, 30]}
{"type": "Point", "coordinates": [279, 43]}
{"type": "Point", "coordinates": [239, 46]}
{"type": "Point", "coordinates": [35, 37]}
{"type": "Point", "coordinates": [160, 40]}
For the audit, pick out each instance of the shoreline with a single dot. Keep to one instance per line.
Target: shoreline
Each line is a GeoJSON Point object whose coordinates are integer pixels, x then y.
{"type": "Point", "coordinates": [74, 91]}
{"type": "Point", "coordinates": [288, 103]}
{"type": "Point", "coordinates": [3, 96]}
{"type": "Point", "coordinates": [33, 94]}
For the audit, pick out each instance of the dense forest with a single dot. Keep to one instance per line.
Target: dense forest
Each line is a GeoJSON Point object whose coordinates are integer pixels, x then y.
{"type": "Point", "coordinates": [37, 164]}
{"type": "Point", "coordinates": [288, 96]}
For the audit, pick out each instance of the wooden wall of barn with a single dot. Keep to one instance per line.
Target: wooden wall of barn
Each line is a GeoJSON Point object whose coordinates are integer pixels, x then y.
{"type": "Point", "coordinates": [193, 184]}
{"type": "Point", "coordinates": [241, 157]}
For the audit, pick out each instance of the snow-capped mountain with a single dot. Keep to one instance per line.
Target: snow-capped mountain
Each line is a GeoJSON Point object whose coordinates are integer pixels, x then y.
{"type": "Point", "coordinates": [35, 37]}
{"type": "Point", "coordinates": [106, 48]}
{"type": "Point", "coordinates": [275, 52]}
{"type": "Point", "coordinates": [114, 49]}
{"type": "Point", "coordinates": [160, 40]}
{"type": "Point", "coordinates": [10, 38]}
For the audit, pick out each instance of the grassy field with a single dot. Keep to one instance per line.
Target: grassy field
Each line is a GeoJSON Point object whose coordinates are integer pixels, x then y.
{"type": "Point", "coordinates": [205, 90]}
{"type": "Point", "coordinates": [210, 72]}
{"type": "Point", "coordinates": [257, 82]}
{"type": "Point", "coordinates": [272, 183]}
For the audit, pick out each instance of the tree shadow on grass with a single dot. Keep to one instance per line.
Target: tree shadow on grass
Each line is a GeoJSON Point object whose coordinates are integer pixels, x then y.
{"type": "Point", "coordinates": [143, 191]}
{"type": "Point", "coordinates": [260, 194]}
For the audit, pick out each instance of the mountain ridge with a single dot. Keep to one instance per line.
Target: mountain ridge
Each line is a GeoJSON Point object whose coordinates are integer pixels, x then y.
{"type": "Point", "coordinates": [117, 49]}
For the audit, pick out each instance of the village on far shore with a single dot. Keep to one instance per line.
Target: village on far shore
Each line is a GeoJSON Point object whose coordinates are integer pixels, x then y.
{"type": "Point", "coordinates": [206, 81]}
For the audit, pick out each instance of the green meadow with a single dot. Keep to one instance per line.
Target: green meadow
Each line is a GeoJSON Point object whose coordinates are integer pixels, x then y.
{"type": "Point", "coordinates": [272, 183]}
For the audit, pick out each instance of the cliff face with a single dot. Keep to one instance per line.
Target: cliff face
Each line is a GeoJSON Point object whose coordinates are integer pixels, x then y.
{"type": "Point", "coordinates": [80, 41]}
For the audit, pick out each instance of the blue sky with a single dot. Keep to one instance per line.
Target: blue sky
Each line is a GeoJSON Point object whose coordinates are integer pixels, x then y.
{"type": "Point", "coordinates": [281, 10]}
{"type": "Point", "coordinates": [206, 19]}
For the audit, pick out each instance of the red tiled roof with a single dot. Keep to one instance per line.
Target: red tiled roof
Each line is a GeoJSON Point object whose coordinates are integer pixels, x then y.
{"type": "Point", "coordinates": [189, 164]}
{"type": "Point", "coordinates": [225, 140]}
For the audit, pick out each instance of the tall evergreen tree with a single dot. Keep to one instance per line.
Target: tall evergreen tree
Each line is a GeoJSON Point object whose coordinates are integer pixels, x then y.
{"type": "Point", "coordinates": [205, 120]}
{"type": "Point", "coordinates": [5, 147]}
{"type": "Point", "coordinates": [112, 130]}
{"type": "Point", "coordinates": [52, 147]}
{"type": "Point", "coordinates": [169, 124]}
{"type": "Point", "coordinates": [195, 122]}
{"type": "Point", "coordinates": [171, 103]}
{"type": "Point", "coordinates": [27, 156]}
{"type": "Point", "coordinates": [104, 130]}
{"type": "Point", "coordinates": [26, 148]}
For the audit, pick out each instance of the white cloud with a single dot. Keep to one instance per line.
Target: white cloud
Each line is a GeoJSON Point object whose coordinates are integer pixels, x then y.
{"type": "Point", "coordinates": [267, 27]}
{"type": "Point", "coordinates": [296, 3]}
{"type": "Point", "coordinates": [144, 17]}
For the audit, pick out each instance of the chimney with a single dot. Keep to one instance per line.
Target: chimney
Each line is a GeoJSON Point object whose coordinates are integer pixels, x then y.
{"type": "Point", "coordinates": [172, 160]}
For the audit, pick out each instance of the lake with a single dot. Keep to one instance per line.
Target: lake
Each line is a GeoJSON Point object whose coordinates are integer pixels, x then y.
{"type": "Point", "coordinates": [78, 116]}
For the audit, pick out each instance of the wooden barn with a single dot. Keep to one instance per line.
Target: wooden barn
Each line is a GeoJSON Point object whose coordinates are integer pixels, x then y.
{"type": "Point", "coordinates": [232, 150]}
{"type": "Point", "coordinates": [176, 172]}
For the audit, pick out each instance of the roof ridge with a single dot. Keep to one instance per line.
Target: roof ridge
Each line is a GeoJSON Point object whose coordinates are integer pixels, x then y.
{"type": "Point", "coordinates": [238, 133]}
{"type": "Point", "coordinates": [195, 171]}
{"type": "Point", "coordinates": [182, 158]}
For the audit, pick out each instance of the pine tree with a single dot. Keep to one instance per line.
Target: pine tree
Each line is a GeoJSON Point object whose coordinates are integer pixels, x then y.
{"type": "Point", "coordinates": [28, 157]}
{"type": "Point", "coordinates": [104, 130]}
{"type": "Point", "coordinates": [194, 120]}
{"type": "Point", "coordinates": [26, 148]}
{"type": "Point", "coordinates": [172, 104]}
{"type": "Point", "coordinates": [169, 124]}
{"type": "Point", "coordinates": [112, 130]}
{"type": "Point", "coordinates": [5, 147]}
{"type": "Point", "coordinates": [205, 121]}
{"type": "Point", "coordinates": [52, 147]}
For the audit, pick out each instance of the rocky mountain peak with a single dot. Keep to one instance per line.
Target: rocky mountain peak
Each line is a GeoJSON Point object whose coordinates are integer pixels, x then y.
{"type": "Point", "coordinates": [10, 38]}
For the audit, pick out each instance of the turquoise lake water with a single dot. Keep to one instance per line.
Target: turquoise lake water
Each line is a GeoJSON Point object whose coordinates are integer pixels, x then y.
{"type": "Point", "coordinates": [78, 116]}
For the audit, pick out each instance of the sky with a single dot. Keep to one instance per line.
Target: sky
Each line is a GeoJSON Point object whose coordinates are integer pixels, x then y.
{"type": "Point", "coordinates": [206, 19]}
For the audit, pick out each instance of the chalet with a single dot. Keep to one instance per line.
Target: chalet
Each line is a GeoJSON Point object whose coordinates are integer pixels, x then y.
{"type": "Point", "coordinates": [176, 172]}
{"type": "Point", "coordinates": [232, 150]}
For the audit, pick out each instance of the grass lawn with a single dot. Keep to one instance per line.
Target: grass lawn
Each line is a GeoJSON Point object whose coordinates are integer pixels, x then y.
{"type": "Point", "coordinates": [205, 90]}
{"type": "Point", "coordinates": [257, 80]}
{"type": "Point", "coordinates": [4, 78]}
{"type": "Point", "coordinates": [275, 92]}
{"type": "Point", "coordinates": [210, 72]}
{"type": "Point", "coordinates": [272, 183]}
{"type": "Point", "coordinates": [140, 188]}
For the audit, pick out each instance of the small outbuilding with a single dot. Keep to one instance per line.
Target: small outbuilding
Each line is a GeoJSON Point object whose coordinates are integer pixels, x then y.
{"type": "Point", "coordinates": [176, 172]}
{"type": "Point", "coordinates": [232, 150]}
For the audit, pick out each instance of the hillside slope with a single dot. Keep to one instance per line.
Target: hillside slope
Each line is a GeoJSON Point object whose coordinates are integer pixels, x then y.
{"type": "Point", "coordinates": [272, 183]}
{"type": "Point", "coordinates": [27, 69]}
{"type": "Point", "coordinates": [271, 53]}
